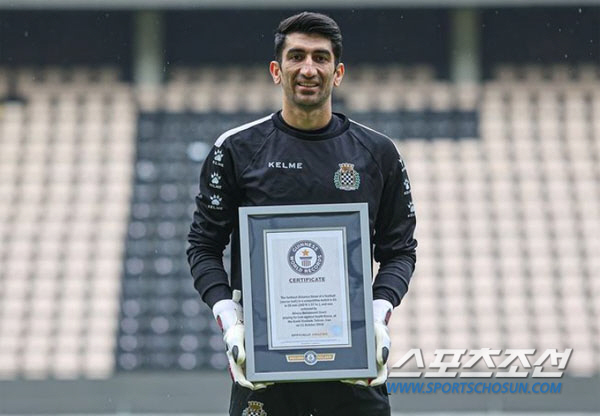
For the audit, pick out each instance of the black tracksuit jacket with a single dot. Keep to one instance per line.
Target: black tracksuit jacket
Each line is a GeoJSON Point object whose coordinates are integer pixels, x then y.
{"type": "Point", "coordinates": [267, 162]}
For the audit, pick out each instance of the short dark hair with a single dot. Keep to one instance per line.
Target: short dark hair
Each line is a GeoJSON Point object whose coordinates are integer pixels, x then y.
{"type": "Point", "coordinates": [309, 22]}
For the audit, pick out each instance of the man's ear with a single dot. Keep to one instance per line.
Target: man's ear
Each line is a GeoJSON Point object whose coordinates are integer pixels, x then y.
{"type": "Point", "coordinates": [338, 74]}
{"type": "Point", "coordinates": [275, 71]}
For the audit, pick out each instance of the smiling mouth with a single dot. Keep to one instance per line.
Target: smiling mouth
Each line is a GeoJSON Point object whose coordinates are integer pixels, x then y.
{"type": "Point", "coordinates": [307, 84]}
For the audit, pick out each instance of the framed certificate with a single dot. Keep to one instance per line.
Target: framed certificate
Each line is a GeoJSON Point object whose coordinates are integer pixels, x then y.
{"type": "Point", "coordinates": [306, 276]}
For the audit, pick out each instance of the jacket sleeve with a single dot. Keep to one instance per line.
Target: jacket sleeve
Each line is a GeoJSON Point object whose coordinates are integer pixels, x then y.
{"type": "Point", "coordinates": [214, 218]}
{"type": "Point", "coordinates": [395, 246]}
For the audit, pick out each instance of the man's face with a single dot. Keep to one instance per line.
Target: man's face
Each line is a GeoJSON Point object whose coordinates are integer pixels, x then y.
{"type": "Point", "coordinates": [307, 72]}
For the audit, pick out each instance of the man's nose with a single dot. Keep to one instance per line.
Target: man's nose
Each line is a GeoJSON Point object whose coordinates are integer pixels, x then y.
{"type": "Point", "coordinates": [308, 68]}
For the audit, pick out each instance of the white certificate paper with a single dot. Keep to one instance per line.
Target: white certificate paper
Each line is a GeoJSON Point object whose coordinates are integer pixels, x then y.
{"type": "Point", "coordinates": [307, 288]}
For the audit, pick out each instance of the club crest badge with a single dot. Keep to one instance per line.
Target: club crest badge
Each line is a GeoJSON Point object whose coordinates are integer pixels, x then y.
{"type": "Point", "coordinates": [305, 257]}
{"type": "Point", "coordinates": [254, 409]}
{"type": "Point", "coordinates": [346, 178]}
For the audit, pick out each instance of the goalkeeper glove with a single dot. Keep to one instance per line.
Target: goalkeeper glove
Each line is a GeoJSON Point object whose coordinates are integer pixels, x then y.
{"type": "Point", "coordinates": [382, 311]}
{"type": "Point", "coordinates": [229, 316]}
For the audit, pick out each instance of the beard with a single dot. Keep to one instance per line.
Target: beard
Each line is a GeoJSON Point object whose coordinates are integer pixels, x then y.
{"type": "Point", "coordinates": [309, 99]}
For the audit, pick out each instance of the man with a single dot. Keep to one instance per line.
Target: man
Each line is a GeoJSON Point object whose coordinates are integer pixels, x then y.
{"type": "Point", "coordinates": [297, 156]}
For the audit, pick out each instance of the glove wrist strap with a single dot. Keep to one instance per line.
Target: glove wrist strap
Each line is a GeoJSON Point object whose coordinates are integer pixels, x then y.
{"type": "Point", "coordinates": [382, 311]}
{"type": "Point", "coordinates": [227, 313]}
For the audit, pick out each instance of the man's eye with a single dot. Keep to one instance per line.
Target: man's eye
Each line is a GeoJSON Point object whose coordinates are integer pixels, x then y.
{"type": "Point", "coordinates": [320, 59]}
{"type": "Point", "coordinates": [296, 57]}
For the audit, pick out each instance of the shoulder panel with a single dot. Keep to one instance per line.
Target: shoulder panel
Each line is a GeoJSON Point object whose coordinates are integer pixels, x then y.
{"type": "Point", "coordinates": [238, 129]}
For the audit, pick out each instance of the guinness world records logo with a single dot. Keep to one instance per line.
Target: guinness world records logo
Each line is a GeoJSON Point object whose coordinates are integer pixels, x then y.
{"type": "Point", "coordinates": [310, 357]}
{"type": "Point", "coordinates": [305, 257]}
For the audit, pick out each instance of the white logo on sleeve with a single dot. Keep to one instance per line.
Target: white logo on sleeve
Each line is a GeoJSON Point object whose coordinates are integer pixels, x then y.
{"type": "Point", "coordinates": [218, 158]}
{"type": "Point", "coordinates": [411, 208]}
{"type": "Point", "coordinates": [215, 180]}
{"type": "Point", "coordinates": [406, 187]}
{"type": "Point", "coordinates": [215, 202]}
{"type": "Point", "coordinates": [402, 165]}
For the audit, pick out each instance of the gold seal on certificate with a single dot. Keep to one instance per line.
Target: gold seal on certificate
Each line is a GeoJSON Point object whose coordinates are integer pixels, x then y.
{"type": "Point", "coordinates": [306, 276]}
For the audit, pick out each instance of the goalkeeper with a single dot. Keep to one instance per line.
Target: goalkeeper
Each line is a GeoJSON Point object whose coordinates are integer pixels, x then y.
{"type": "Point", "coordinates": [303, 154]}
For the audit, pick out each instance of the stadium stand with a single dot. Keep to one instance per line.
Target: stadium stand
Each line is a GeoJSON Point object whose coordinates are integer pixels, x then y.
{"type": "Point", "coordinates": [504, 175]}
{"type": "Point", "coordinates": [506, 222]}
{"type": "Point", "coordinates": [164, 323]}
{"type": "Point", "coordinates": [66, 153]}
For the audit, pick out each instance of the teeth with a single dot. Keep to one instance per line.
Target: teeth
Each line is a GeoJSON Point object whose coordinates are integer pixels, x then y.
{"type": "Point", "coordinates": [307, 85]}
